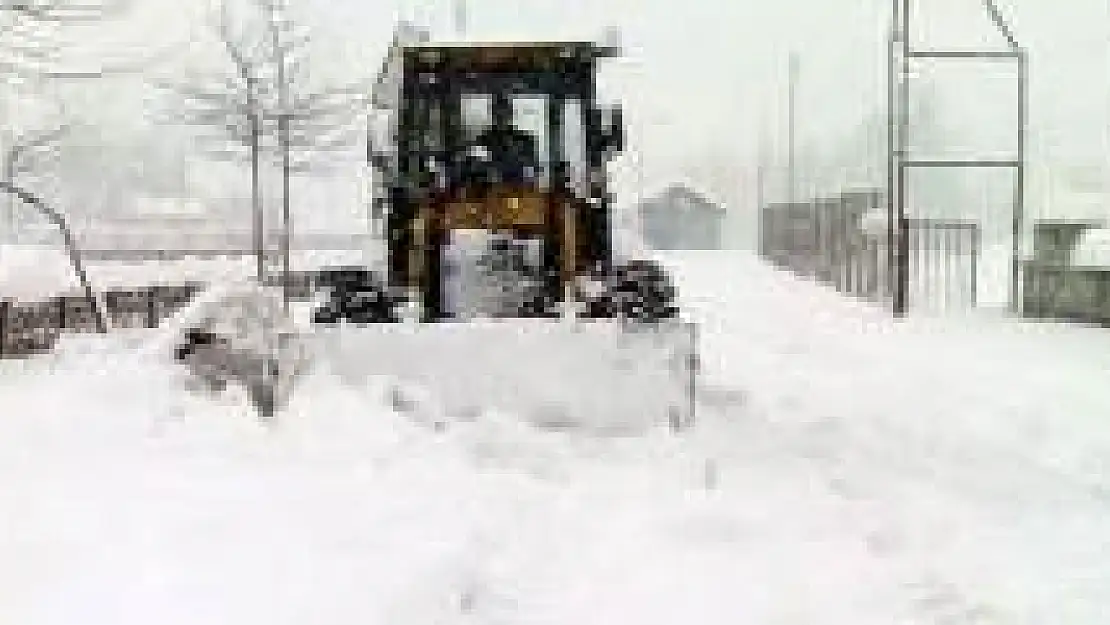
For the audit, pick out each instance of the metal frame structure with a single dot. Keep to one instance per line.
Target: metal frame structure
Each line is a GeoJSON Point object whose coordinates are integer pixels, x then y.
{"type": "Point", "coordinates": [901, 55]}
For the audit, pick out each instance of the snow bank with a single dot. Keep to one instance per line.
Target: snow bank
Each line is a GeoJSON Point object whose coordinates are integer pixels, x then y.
{"type": "Point", "coordinates": [35, 272]}
{"type": "Point", "coordinates": [959, 438]}
{"type": "Point", "coordinates": [143, 504]}
{"type": "Point", "coordinates": [1093, 249]}
{"type": "Point", "coordinates": [39, 272]}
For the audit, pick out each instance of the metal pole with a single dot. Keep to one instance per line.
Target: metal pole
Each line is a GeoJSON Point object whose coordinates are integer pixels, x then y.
{"type": "Point", "coordinates": [256, 184]}
{"type": "Point", "coordinates": [760, 193]}
{"type": "Point", "coordinates": [976, 244]}
{"type": "Point", "coordinates": [286, 214]}
{"type": "Point", "coordinates": [283, 133]}
{"type": "Point", "coordinates": [765, 228]}
{"type": "Point", "coordinates": [1016, 304]}
{"type": "Point", "coordinates": [901, 287]}
{"type": "Point", "coordinates": [460, 18]}
{"type": "Point", "coordinates": [765, 225]}
{"type": "Point", "coordinates": [641, 192]}
{"type": "Point", "coordinates": [791, 84]}
{"type": "Point", "coordinates": [9, 176]}
{"type": "Point", "coordinates": [892, 145]}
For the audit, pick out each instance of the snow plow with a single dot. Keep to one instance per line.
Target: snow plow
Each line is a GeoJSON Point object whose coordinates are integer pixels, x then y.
{"type": "Point", "coordinates": [501, 288]}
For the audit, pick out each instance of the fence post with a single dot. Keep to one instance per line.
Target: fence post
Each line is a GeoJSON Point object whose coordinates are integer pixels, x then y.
{"type": "Point", "coordinates": [151, 316]}
{"type": "Point", "coordinates": [693, 365]}
{"type": "Point", "coordinates": [975, 250]}
{"type": "Point", "coordinates": [5, 311]}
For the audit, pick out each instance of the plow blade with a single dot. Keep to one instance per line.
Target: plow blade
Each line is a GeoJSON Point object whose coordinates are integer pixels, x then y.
{"type": "Point", "coordinates": [599, 376]}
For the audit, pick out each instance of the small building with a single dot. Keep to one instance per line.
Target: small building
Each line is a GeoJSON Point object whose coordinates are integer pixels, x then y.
{"type": "Point", "coordinates": [680, 218]}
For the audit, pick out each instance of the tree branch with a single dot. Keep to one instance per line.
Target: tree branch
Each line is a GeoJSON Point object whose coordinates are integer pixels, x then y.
{"type": "Point", "coordinates": [64, 11]}
{"type": "Point", "coordinates": [319, 120]}
{"type": "Point", "coordinates": [60, 222]}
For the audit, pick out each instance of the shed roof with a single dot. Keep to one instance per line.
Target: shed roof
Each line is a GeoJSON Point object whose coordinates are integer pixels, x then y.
{"type": "Point", "coordinates": [681, 192]}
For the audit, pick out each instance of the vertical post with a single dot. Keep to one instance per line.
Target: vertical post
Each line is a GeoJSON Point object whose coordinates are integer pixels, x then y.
{"type": "Point", "coordinates": [286, 215]}
{"type": "Point", "coordinates": [901, 243]}
{"type": "Point", "coordinates": [557, 157]}
{"type": "Point", "coordinates": [9, 176]}
{"type": "Point", "coordinates": [766, 222]}
{"type": "Point", "coordinates": [283, 133]}
{"type": "Point", "coordinates": [1016, 304]}
{"type": "Point", "coordinates": [5, 315]}
{"type": "Point", "coordinates": [953, 252]}
{"type": "Point", "coordinates": [892, 147]}
{"type": "Point", "coordinates": [976, 243]}
{"type": "Point", "coordinates": [940, 250]}
{"type": "Point", "coordinates": [151, 316]}
{"type": "Point", "coordinates": [460, 18]}
{"type": "Point", "coordinates": [693, 364]}
{"type": "Point", "coordinates": [256, 182]}
{"type": "Point", "coordinates": [791, 87]}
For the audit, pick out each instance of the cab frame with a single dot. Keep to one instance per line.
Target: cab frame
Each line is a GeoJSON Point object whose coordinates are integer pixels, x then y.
{"type": "Point", "coordinates": [420, 200]}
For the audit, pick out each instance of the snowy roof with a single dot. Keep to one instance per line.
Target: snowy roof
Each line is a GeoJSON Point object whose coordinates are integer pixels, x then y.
{"type": "Point", "coordinates": [1092, 249]}
{"type": "Point", "coordinates": [169, 208]}
{"type": "Point", "coordinates": [33, 273]}
{"type": "Point", "coordinates": [1069, 192]}
{"type": "Point", "coordinates": [682, 193]}
{"type": "Point", "coordinates": [408, 33]}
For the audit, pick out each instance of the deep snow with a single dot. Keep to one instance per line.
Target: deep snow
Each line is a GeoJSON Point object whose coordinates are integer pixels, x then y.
{"type": "Point", "coordinates": [845, 469]}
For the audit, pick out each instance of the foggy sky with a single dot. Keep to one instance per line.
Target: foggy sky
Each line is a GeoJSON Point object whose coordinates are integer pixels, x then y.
{"type": "Point", "coordinates": [703, 80]}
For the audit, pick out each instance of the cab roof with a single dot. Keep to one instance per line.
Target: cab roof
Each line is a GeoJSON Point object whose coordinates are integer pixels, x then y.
{"type": "Point", "coordinates": [502, 56]}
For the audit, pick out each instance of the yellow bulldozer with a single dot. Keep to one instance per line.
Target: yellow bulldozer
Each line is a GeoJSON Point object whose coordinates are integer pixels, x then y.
{"type": "Point", "coordinates": [500, 287]}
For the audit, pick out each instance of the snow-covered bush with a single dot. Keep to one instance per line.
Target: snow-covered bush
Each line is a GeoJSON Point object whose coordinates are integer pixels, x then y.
{"type": "Point", "coordinates": [239, 335]}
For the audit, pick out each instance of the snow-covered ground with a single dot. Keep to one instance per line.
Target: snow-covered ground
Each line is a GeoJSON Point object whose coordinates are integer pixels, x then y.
{"type": "Point", "coordinates": [925, 472]}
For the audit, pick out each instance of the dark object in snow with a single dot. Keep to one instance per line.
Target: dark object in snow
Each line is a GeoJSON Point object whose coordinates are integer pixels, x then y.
{"type": "Point", "coordinates": [242, 336]}
{"type": "Point", "coordinates": [357, 295]}
{"type": "Point", "coordinates": [517, 268]}
{"type": "Point", "coordinates": [639, 290]}
{"type": "Point", "coordinates": [644, 292]}
{"type": "Point", "coordinates": [194, 338]}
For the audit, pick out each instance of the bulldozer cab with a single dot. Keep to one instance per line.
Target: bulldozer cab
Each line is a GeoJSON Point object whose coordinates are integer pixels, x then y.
{"type": "Point", "coordinates": [502, 139]}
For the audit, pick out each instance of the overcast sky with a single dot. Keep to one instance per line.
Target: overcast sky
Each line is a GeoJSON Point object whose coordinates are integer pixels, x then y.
{"type": "Point", "coordinates": [699, 74]}
{"type": "Point", "coordinates": [703, 79]}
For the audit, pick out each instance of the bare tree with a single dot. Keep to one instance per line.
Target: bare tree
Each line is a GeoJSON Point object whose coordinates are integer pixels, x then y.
{"type": "Point", "coordinates": [27, 30]}
{"type": "Point", "coordinates": [59, 221]}
{"type": "Point", "coordinates": [264, 107]}
{"type": "Point", "coordinates": [57, 10]}
{"type": "Point", "coordinates": [29, 51]}
{"type": "Point", "coordinates": [20, 158]}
